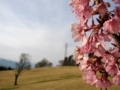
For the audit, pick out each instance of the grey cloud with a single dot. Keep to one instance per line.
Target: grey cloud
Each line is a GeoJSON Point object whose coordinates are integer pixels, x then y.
{"type": "Point", "coordinates": [38, 27]}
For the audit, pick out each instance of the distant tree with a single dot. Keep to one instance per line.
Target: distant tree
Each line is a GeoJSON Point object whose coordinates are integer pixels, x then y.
{"type": "Point", "coordinates": [9, 68]}
{"type": "Point", "coordinates": [71, 61]}
{"type": "Point", "coordinates": [65, 62]}
{"type": "Point", "coordinates": [50, 64]}
{"type": "Point", "coordinates": [60, 63]}
{"type": "Point", "coordinates": [3, 68]}
{"type": "Point", "coordinates": [68, 61]}
{"type": "Point", "coordinates": [43, 63]}
{"type": "Point", "coordinates": [23, 64]}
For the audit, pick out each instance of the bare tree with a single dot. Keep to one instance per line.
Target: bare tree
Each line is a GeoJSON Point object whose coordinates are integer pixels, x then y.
{"type": "Point", "coordinates": [23, 64]}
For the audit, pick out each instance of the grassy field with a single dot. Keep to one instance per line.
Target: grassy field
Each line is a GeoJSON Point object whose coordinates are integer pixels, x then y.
{"type": "Point", "coordinates": [57, 78]}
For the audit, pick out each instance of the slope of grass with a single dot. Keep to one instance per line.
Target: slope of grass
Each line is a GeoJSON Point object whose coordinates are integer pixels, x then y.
{"type": "Point", "coordinates": [57, 78]}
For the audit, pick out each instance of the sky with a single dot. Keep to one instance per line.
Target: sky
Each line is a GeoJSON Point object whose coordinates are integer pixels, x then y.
{"type": "Point", "coordinates": [37, 27]}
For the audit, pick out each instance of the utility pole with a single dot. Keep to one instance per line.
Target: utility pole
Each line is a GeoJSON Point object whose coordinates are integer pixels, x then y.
{"type": "Point", "coordinates": [65, 55]}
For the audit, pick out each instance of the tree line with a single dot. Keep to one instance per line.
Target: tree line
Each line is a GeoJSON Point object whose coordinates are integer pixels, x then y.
{"type": "Point", "coordinates": [68, 61]}
{"type": "Point", "coordinates": [3, 68]}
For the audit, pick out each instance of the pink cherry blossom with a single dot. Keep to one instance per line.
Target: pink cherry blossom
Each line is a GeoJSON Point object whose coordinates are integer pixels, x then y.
{"type": "Point", "coordinates": [116, 18]}
{"type": "Point", "coordinates": [73, 2]}
{"type": "Point", "coordinates": [117, 11]}
{"type": "Point", "coordinates": [90, 77]}
{"type": "Point", "coordinates": [81, 2]}
{"type": "Point", "coordinates": [115, 52]}
{"type": "Point", "coordinates": [84, 2]}
{"type": "Point", "coordinates": [85, 14]}
{"type": "Point", "coordinates": [88, 48]}
{"type": "Point", "coordinates": [116, 1]}
{"type": "Point", "coordinates": [103, 83]}
{"type": "Point", "coordinates": [111, 68]}
{"type": "Point", "coordinates": [112, 25]}
{"type": "Point", "coordinates": [83, 63]}
{"type": "Point", "coordinates": [93, 55]}
{"type": "Point", "coordinates": [116, 79]}
{"type": "Point", "coordinates": [78, 55]}
{"type": "Point", "coordinates": [104, 36]}
{"type": "Point", "coordinates": [106, 58]}
{"type": "Point", "coordinates": [101, 8]}
{"type": "Point", "coordinates": [100, 49]}
{"type": "Point", "coordinates": [78, 32]}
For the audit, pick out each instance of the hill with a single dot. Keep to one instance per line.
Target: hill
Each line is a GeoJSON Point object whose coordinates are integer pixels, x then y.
{"type": "Point", "coordinates": [7, 63]}
{"type": "Point", "coordinates": [57, 78]}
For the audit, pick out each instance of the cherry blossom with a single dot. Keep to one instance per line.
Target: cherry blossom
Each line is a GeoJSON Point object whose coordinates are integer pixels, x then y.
{"type": "Point", "coordinates": [103, 83]}
{"type": "Point", "coordinates": [112, 25]}
{"type": "Point", "coordinates": [95, 60]}
{"type": "Point", "coordinates": [90, 76]}
{"type": "Point", "coordinates": [116, 79]}
{"type": "Point", "coordinates": [102, 9]}
{"type": "Point", "coordinates": [111, 68]}
{"type": "Point", "coordinates": [117, 1]}
{"type": "Point", "coordinates": [78, 33]}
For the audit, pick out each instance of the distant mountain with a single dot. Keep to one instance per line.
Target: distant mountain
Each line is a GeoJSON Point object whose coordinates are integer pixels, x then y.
{"type": "Point", "coordinates": [7, 63]}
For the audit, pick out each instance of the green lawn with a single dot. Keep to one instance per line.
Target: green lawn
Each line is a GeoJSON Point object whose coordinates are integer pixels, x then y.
{"type": "Point", "coordinates": [57, 78]}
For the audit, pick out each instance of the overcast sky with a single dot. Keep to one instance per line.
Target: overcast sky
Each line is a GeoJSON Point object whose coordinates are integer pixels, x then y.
{"type": "Point", "coordinates": [37, 27]}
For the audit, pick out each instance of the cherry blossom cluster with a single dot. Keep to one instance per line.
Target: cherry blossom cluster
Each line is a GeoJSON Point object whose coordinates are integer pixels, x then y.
{"type": "Point", "coordinates": [97, 25]}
